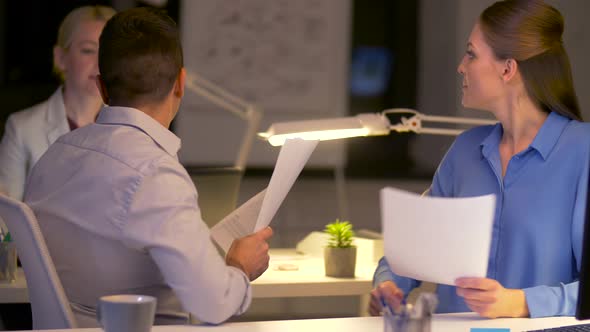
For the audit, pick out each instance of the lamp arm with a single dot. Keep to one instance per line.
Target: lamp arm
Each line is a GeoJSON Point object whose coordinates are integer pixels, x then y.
{"type": "Point", "coordinates": [254, 118]}
{"type": "Point", "coordinates": [217, 95]}
{"type": "Point", "coordinates": [414, 123]}
{"type": "Point", "coordinates": [233, 104]}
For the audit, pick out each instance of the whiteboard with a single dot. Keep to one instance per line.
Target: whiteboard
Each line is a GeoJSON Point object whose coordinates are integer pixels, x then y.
{"type": "Point", "coordinates": [291, 58]}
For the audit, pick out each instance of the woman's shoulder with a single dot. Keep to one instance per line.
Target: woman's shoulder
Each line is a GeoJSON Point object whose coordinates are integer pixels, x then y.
{"type": "Point", "coordinates": [575, 138]}
{"type": "Point", "coordinates": [477, 132]}
{"type": "Point", "coordinates": [474, 136]}
{"type": "Point", "coordinates": [578, 131]}
{"type": "Point", "coordinates": [32, 112]}
{"type": "Point", "coordinates": [468, 143]}
{"type": "Point", "coordinates": [576, 126]}
{"type": "Point", "coordinates": [36, 114]}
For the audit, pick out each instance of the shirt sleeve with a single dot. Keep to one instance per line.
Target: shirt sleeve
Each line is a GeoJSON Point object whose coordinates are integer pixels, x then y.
{"type": "Point", "coordinates": [384, 273]}
{"type": "Point", "coordinates": [544, 301]}
{"type": "Point", "coordinates": [164, 219]}
{"type": "Point", "coordinates": [13, 162]}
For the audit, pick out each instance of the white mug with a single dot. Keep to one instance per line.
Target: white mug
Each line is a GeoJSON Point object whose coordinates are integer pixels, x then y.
{"type": "Point", "coordinates": [126, 313]}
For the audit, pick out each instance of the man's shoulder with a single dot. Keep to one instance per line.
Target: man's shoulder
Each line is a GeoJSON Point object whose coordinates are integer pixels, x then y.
{"type": "Point", "coordinates": [103, 162]}
{"type": "Point", "coordinates": [117, 144]}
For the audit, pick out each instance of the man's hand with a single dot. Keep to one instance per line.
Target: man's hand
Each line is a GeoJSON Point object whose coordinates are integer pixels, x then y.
{"type": "Point", "coordinates": [250, 253]}
{"type": "Point", "coordinates": [490, 299]}
{"type": "Point", "coordinates": [389, 292]}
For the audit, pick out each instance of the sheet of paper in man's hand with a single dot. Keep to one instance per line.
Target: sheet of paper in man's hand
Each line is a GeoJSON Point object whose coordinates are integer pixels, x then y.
{"type": "Point", "coordinates": [292, 157]}
{"type": "Point", "coordinates": [436, 239]}
{"type": "Point", "coordinates": [238, 223]}
{"type": "Point", "coordinates": [258, 212]}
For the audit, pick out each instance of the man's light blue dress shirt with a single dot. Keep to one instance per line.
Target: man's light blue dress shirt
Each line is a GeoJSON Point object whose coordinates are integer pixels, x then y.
{"type": "Point", "coordinates": [539, 220]}
{"type": "Point", "coordinates": [120, 215]}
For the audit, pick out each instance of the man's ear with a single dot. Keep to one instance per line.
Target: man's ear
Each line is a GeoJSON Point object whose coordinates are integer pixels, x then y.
{"type": "Point", "coordinates": [179, 84]}
{"type": "Point", "coordinates": [102, 89]}
{"type": "Point", "coordinates": [509, 70]}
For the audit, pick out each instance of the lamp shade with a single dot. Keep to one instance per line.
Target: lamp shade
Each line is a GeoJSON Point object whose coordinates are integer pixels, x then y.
{"type": "Point", "coordinates": [366, 124]}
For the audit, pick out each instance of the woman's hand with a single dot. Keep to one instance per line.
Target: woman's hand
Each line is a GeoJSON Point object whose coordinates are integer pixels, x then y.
{"type": "Point", "coordinates": [386, 291]}
{"type": "Point", "coordinates": [490, 299]}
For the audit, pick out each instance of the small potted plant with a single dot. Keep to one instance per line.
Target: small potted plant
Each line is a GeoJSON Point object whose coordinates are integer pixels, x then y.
{"type": "Point", "coordinates": [340, 253]}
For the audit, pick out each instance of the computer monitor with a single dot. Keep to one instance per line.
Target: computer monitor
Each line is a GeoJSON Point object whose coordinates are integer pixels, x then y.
{"type": "Point", "coordinates": [218, 189]}
{"type": "Point", "coordinates": [583, 306]}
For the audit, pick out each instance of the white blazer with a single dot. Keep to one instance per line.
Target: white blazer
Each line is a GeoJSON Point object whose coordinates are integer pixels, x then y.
{"type": "Point", "coordinates": [28, 134]}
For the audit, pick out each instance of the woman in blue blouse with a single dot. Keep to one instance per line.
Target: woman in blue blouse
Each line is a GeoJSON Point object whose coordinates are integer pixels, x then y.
{"type": "Point", "coordinates": [536, 161]}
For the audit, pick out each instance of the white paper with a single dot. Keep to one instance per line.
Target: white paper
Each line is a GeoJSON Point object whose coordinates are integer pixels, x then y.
{"type": "Point", "coordinates": [292, 157]}
{"type": "Point", "coordinates": [259, 210]}
{"type": "Point", "coordinates": [436, 239]}
{"type": "Point", "coordinates": [239, 223]}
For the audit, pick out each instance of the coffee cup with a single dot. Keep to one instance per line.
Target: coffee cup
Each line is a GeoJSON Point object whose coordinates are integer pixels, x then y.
{"type": "Point", "coordinates": [126, 313]}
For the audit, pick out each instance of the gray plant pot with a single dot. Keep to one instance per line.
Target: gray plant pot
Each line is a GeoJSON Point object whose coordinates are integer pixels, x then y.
{"type": "Point", "coordinates": [340, 262]}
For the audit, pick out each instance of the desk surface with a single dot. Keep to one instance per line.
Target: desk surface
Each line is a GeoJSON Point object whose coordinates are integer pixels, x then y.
{"type": "Point", "coordinates": [309, 280]}
{"type": "Point", "coordinates": [440, 323]}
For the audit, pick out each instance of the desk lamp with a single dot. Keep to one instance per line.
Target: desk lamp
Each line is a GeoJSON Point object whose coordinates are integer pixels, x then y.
{"type": "Point", "coordinates": [365, 124]}
{"type": "Point", "coordinates": [233, 104]}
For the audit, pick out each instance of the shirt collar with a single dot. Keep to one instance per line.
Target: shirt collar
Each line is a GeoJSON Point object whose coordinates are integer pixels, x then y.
{"type": "Point", "coordinates": [544, 141]}
{"type": "Point", "coordinates": [549, 134]}
{"type": "Point", "coordinates": [57, 124]}
{"type": "Point", "coordinates": [133, 117]}
{"type": "Point", "coordinates": [57, 109]}
{"type": "Point", "coordinates": [490, 144]}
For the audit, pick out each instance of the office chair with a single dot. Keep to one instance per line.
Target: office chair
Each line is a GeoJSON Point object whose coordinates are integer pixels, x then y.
{"type": "Point", "coordinates": [218, 189]}
{"type": "Point", "coordinates": [49, 304]}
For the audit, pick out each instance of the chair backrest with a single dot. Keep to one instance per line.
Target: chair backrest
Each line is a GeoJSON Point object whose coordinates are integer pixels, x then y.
{"type": "Point", "coordinates": [49, 304]}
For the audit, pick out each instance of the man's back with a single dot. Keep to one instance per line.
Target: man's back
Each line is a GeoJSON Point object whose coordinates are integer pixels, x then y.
{"type": "Point", "coordinates": [120, 215]}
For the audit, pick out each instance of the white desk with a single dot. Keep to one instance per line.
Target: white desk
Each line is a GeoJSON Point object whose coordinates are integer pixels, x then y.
{"type": "Point", "coordinates": [440, 323]}
{"type": "Point", "coordinates": [309, 280]}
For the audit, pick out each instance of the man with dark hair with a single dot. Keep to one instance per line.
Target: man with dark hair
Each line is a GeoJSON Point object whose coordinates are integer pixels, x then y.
{"type": "Point", "coordinates": [118, 211]}
{"type": "Point", "coordinates": [140, 57]}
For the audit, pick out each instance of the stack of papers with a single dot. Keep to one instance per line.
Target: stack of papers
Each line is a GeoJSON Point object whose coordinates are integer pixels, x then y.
{"type": "Point", "coordinates": [436, 239]}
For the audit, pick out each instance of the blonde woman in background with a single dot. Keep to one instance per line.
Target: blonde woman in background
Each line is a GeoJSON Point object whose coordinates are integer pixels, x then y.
{"type": "Point", "coordinates": [76, 102]}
